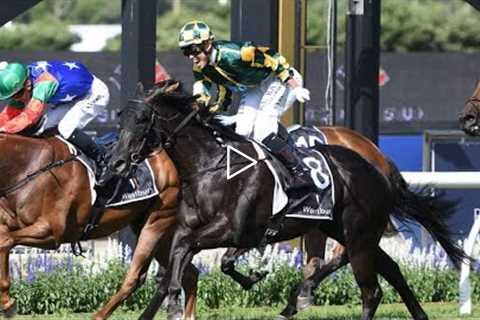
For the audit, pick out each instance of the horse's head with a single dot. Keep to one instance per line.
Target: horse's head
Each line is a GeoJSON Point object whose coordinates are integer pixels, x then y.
{"type": "Point", "coordinates": [469, 118]}
{"type": "Point", "coordinates": [139, 131]}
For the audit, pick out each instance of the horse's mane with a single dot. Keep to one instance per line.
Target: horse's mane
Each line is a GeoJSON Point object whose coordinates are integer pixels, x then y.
{"type": "Point", "coordinates": [184, 102]}
{"type": "Point", "coordinates": [179, 98]}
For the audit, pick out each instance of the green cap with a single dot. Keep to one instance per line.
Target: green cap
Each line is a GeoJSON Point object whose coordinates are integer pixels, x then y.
{"type": "Point", "coordinates": [194, 32]}
{"type": "Point", "coordinates": [12, 78]}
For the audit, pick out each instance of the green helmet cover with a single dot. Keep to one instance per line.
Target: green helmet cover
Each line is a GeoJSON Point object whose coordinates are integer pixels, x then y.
{"type": "Point", "coordinates": [12, 78]}
{"type": "Point", "coordinates": [194, 32]}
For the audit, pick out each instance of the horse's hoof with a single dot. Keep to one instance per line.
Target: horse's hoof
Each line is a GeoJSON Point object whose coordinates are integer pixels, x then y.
{"type": "Point", "coordinates": [303, 302]}
{"type": "Point", "coordinates": [98, 317]}
{"type": "Point", "coordinates": [175, 315]}
{"type": "Point", "coordinates": [10, 311]}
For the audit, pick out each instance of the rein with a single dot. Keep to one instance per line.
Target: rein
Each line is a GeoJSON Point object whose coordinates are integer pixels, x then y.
{"type": "Point", "coordinates": [30, 177]}
{"type": "Point", "coordinates": [169, 140]}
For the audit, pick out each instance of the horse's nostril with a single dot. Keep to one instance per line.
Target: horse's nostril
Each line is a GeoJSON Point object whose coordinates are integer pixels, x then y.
{"type": "Point", "coordinates": [466, 117]}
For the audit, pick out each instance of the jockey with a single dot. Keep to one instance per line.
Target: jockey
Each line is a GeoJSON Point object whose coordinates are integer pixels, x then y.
{"type": "Point", "coordinates": [267, 86]}
{"type": "Point", "coordinates": [48, 94]}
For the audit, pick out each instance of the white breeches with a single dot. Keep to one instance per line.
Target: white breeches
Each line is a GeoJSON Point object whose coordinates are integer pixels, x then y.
{"type": "Point", "coordinates": [261, 107]}
{"type": "Point", "coordinates": [77, 114]}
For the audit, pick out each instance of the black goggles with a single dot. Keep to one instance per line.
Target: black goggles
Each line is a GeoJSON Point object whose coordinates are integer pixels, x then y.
{"type": "Point", "coordinates": [194, 50]}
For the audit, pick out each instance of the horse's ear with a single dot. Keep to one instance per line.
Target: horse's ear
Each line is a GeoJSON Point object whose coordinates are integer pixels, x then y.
{"type": "Point", "coordinates": [139, 90]}
{"type": "Point", "coordinates": [153, 94]}
{"type": "Point", "coordinates": [170, 88]}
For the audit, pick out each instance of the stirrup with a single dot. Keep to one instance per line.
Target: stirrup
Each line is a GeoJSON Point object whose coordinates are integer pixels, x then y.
{"type": "Point", "coordinates": [86, 231]}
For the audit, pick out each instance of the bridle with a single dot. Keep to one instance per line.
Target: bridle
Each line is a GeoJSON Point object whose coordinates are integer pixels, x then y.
{"type": "Point", "coordinates": [168, 141]}
{"type": "Point", "coordinates": [136, 156]}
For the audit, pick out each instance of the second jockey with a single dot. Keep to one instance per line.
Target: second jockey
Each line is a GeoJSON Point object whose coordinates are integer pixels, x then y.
{"type": "Point", "coordinates": [49, 94]}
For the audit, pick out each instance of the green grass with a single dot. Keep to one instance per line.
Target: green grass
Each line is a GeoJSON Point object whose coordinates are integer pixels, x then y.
{"type": "Point", "coordinates": [443, 311]}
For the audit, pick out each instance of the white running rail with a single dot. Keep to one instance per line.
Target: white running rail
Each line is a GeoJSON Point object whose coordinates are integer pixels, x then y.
{"type": "Point", "coordinates": [454, 180]}
{"type": "Point", "coordinates": [447, 179]}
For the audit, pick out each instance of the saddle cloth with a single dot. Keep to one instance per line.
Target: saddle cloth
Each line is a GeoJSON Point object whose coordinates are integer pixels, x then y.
{"type": "Point", "coordinates": [317, 205]}
{"type": "Point", "coordinates": [140, 187]}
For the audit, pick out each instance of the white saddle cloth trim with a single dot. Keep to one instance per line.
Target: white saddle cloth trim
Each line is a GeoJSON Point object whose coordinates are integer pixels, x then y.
{"type": "Point", "coordinates": [90, 173]}
{"type": "Point", "coordinates": [280, 198]}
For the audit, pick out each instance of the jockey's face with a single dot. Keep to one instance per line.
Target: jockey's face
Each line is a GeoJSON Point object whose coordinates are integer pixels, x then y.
{"type": "Point", "coordinates": [25, 94]}
{"type": "Point", "coordinates": [199, 54]}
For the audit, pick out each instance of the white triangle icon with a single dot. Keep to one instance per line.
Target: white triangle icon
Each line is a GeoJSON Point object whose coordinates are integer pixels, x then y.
{"type": "Point", "coordinates": [229, 171]}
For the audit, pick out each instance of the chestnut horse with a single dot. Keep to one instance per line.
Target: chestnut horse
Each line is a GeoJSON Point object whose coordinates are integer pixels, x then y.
{"type": "Point", "coordinates": [44, 205]}
{"type": "Point", "coordinates": [469, 118]}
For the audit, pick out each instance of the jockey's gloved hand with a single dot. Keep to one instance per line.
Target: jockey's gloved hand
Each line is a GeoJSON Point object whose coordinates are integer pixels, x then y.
{"type": "Point", "coordinates": [214, 108]}
{"type": "Point", "coordinates": [301, 94]}
{"type": "Point", "coordinates": [226, 120]}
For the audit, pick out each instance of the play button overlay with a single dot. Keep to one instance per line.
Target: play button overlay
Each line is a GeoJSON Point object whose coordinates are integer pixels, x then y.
{"type": "Point", "coordinates": [252, 161]}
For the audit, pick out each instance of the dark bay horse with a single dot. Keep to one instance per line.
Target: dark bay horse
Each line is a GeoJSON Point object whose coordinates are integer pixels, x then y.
{"type": "Point", "coordinates": [53, 207]}
{"type": "Point", "coordinates": [214, 212]}
{"type": "Point", "coordinates": [469, 118]}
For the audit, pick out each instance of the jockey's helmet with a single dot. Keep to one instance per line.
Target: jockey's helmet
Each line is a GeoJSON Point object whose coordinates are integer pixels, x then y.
{"type": "Point", "coordinates": [194, 32]}
{"type": "Point", "coordinates": [12, 78]}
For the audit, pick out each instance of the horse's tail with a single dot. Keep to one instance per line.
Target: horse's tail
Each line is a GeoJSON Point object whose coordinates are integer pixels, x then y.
{"type": "Point", "coordinates": [432, 211]}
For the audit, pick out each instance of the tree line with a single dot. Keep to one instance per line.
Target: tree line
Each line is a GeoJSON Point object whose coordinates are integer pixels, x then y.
{"type": "Point", "coordinates": [407, 25]}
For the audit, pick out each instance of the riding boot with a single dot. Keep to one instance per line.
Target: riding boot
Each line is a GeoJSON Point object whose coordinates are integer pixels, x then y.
{"type": "Point", "coordinates": [88, 146]}
{"type": "Point", "coordinates": [284, 150]}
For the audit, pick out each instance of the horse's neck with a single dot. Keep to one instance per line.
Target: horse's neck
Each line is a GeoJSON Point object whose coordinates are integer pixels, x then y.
{"type": "Point", "coordinates": [198, 153]}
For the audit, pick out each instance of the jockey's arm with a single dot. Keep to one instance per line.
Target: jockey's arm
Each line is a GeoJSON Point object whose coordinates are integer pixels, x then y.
{"type": "Point", "coordinates": [201, 87]}
{"type": "Point", "coordinates": [264, 57]}
{"type": "Point", "coordinates": [34, 109]}
{"type": "Point", "coordinates": [9, 112]}
{"type": "Point", "coordinates": [224, 98]}
{"type": "Point", "coordinates": [28, 116]}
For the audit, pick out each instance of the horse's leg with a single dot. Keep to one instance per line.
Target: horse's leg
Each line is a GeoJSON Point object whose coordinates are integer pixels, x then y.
{"type": "Point", "coordinates": [301, 297]}
{"type": "Point", "coordinates": [391, 272]}
{"type": "Point", "coordinates": [148, 239]}
{"type": "Point", "coordinates": [181, 255]}
{"type": "Point", "coordinates": [39, 234]}
{"type": "Point", "coordinates": [184, 244]}
{"type": "Point", "coordinates": [315, 241]}
{"type": "Point", "coordinates": [228, 267]}
{"type": "Point", "coordinates": [362, 247]}
{"type": "Point", "coordinates": [189, 283]}
{"type": "Point", "coordinates": [8, 305]}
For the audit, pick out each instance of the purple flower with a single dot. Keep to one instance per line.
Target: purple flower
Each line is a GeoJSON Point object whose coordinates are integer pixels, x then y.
{"type": "Point", "coordinates": [298, 260]}
{"type": "Point", "coordinates": [30, 271]}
